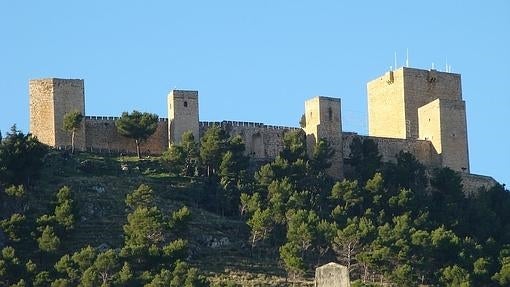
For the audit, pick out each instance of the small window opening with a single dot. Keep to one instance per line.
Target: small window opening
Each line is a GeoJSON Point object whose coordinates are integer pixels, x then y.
{"type": "Point", "coordinates": [330, 113]}
{"type": "Point", "coordinates": [185, 104]}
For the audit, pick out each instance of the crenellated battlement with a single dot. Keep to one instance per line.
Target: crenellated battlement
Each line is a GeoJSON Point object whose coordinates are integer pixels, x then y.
{"type": "Point", "coordinates": [244, 124]}
{"type": "Point", "coordinates": [108, 118]}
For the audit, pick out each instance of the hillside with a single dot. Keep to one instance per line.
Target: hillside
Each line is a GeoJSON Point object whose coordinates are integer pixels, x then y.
{"type": "Point", "coordinates": [206, 215]}
{"type": "Point", "coordinates": [218, 245]}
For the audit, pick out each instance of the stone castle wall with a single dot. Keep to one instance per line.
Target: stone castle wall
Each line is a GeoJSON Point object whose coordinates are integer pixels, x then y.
{"type": "Point", "coordinates": [401, 104]}
{"type": "Point", "coordinates": [262, 142]}
{"type": "Point", "coordinates": [390, 147]}
{"type": "Point", "coordinates": [473, 183]}
{"type": "Point", "coordinates": [102, 136]}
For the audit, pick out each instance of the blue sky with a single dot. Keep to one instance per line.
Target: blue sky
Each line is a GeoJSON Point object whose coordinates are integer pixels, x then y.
{"type": "Point", "coordinates": [259, 60]}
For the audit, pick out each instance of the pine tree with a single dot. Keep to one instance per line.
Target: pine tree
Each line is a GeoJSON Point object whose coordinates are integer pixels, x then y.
{"type": "Point", "coordinates": [72, 122]}
{"type": "Point", "coordinates": [48, 241]}
{"type": "Point", "coordinates": [138, 126]}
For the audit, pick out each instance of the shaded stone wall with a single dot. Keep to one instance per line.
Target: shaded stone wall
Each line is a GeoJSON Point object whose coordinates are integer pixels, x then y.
{"type": "Point", "coordinates": [390, 147]}
{"type": "Point", "coordinates": [102, 136]}
{"type": "Point", "coordinates": [473, 183]}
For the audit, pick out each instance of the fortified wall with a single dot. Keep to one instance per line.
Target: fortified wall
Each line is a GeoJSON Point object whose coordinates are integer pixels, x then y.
{"type": "Point", "coordinates": [102, 136]}
{"type": "Point", "coordinates": [412, 110]}
{"type": "Point", "coordinates": [262, 141]}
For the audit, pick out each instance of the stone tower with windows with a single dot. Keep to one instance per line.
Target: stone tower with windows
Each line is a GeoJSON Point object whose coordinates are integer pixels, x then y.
{"type": "Point", "coordinates": [50, 100]}
{"type": "Point", "coordinates": [323, 121]}
{"type": "Point", "coordinates": [411, 103]}
{"type": "Point", "coordinates": [182, 115]}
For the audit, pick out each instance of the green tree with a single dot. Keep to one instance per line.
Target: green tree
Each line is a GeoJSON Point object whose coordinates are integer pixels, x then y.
{"type": "Point", "coordinates": [20, 157]}
{"type": "Point", "coordinates": [322, 154]}
{"type": "Point", "coordinates": [64, 210]}
{"type": "Point", "coordinates": [143, 196]}
{"type": "Point", "coordinates": [106, 265]}
{"type": "Point", "coordinates": [126, 276]}
{"type": "Point", "coordinates": [13, 226]}
{"type": "Point", "coordinates": [449, 202]}
{"type": "Point", "coordinates": [212, 147]}
{"type": "Point", "coordinates": [302, 121]}
{"type": "Point", "coordinates": [407, 173]}
{"type": "Point", "coordinates": [302, 229]}
{"type": "Point", "coordinates": [48, 241]}
{"type": "Point", "coordinates": [138, 126]}
{"type": "Point", "coordinates": [184, 157]}
{"type": "Point", "coordinates": [179, 221]}
{"type": "Point", "coordinates": [73, 266]}
{"type": "Point", "coordinates": [42, 279]}
{"type": "Point", "coordinates": [231, 181]}
{"type": "Point", "coordinates": [455, 276]}
{"type": "Point", "coordinates": [144, 227]}
{"type": "Point", "coordinates": [350, 240]}
{"type": "Point", "coordinates": [72, 122]}
{"type": "Point", "coordinates": [364, 158]}
{"type": "Point", "coordinates": [294, 145]}
{"type": "Point", "coordinates": [290, 255]}
{"type": "Point", "coordinates": [261, 224]}
{"type": "Point", "coordinates": [11, 268]}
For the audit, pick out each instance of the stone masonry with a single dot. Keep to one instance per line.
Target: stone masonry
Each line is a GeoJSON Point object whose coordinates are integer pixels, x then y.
{"type": "Point", "coordinates": [50, 100]}
{"type": "Point", "coordinates": [419, 104]}
{"type": "Point", "coordinates": [413, 110]}
{"type": "Point", "coordinates": [332, 275]}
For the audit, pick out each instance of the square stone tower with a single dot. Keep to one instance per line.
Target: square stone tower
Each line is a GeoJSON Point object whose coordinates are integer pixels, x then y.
{"type": "Point", "coordinates": [50, 100]}
{"type": "Point", "coordinates": [421, 104]}
{"type": "Point", "coordinates": [394, 99]}
{"type": "Point", "coordinates": [182, 115]}
{"type": "Point", "coordinates": [443, 122]}
{"type": "Point", "coordinates": [323, 121]}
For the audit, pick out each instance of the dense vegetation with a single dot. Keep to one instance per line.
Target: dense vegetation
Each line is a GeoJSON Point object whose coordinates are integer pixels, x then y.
{"type": "Point", "coordinates": [393, 223]}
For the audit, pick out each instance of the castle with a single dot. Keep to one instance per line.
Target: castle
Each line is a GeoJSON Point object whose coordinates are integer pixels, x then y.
{"type": "Point", "coordinates": [413, 110]}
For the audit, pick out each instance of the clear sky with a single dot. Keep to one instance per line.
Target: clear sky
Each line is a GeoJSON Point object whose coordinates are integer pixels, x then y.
{"type": "Point", "coordinates": [259, 60]}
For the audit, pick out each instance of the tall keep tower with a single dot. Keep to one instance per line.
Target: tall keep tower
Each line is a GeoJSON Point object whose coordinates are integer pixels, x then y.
{"type": "Point", "coordinates": [323, 121]}
{"type": "Point", "coordinates": [182, 115]}
{"type": "Point", "coordinates": [394, 99]}
{"type": "Point", "coordinates": [50, 100]}
{"type": "Point", "coordinates": [421, 104]}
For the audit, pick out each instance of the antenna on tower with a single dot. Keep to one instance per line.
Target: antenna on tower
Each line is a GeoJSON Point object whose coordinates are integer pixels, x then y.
{"type": "Point", "coordinates": [395, 60]}
{"type": "Point", "coordinates": [407, 57]}
{"type": "Point", "coordinates": [433, 66]}
{"type": "Point", "coordinates": [446, 64]}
